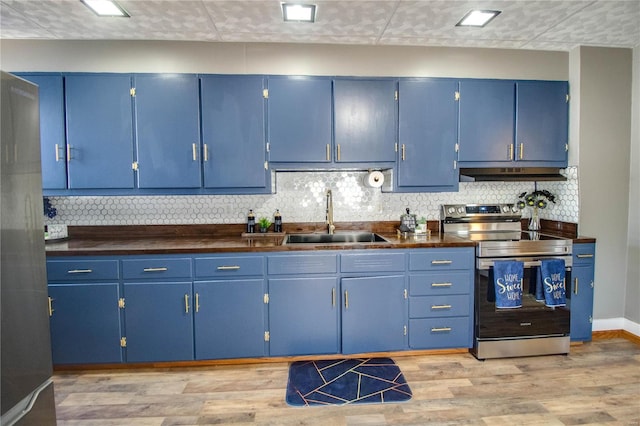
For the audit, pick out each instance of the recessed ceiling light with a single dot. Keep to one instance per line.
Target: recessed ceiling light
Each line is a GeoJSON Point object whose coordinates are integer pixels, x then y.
{"type": "Point", "coordinates": [293, 12]}
{"type": "Point", "coordinates": [477, 18]}
{"type": "Point", "coordinates": [106, 8]}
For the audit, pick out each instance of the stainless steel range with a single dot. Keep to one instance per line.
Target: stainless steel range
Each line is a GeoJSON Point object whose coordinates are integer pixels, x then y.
{"type": "Point", "coordinates": [533, 328]}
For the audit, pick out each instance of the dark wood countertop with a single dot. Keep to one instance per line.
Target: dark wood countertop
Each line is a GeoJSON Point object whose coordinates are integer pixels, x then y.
{"type": "Point", "coordinates": [176, 239]}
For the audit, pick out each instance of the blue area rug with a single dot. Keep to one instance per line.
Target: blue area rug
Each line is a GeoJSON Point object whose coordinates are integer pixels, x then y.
{"type": "Point", "coordinates": [346, 381]}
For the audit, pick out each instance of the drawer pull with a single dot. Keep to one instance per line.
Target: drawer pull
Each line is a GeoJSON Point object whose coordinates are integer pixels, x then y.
{"type": "Point", "coordinates": [440, 329]}
{"type": "Point", "coordinates": [440, 306]}
{"type": "Point", "coordinates": [585, 256]}
{"type": "Point", "coordinates": [441, 262]}
{"type": "Point", "coordinates": [441, 284]}
{"type": "Point", "coordinates": [228, 268]}
{"type": "Point", "coordinates": [155, 269]}
{"type": "Point", "coordinates": [80, 271]}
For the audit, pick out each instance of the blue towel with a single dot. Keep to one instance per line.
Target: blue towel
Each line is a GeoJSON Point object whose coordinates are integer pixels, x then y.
{"type": "Point", "coordinates": [507, 276]}
{"type": "Point", "coordinates": [553, 282]}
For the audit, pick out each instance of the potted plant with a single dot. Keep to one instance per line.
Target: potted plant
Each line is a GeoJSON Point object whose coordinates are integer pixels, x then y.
{"type": "Point", "coordinates": [537, 199]}
{"type": "Point", "coordinates": [264, 224]}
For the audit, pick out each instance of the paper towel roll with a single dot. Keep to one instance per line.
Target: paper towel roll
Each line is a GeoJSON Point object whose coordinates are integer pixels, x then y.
{"type": "Point", "coordinates": [374, 179]}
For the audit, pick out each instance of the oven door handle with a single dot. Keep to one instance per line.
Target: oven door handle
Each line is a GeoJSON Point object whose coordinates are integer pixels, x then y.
{"type": "Point", "coordinates": [486, 264]}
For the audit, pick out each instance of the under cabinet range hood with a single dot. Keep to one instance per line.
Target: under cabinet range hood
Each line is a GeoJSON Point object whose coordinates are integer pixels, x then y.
{"type": "Point", "coordinates": [511, 174]}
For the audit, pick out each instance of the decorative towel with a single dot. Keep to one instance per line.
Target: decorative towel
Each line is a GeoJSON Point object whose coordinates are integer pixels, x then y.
{"type": "Point", "coordinates": [553, 282]}
{"type": "Point", "coordinates": [508, 276]}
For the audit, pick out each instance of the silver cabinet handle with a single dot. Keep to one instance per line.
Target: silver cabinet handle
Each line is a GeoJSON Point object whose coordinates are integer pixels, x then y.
{"type": "Point", "coordinates": [333, 296]}
{"type": "Point", "coordinates": [57, 152]}
{"type": "Point", "coordinates": [194, 149]}
{"type": "Point", "coordinates": [441, 284]}
{"type": "Point", "coordinates": [521, 156]}
{"type": "Point", "coordinates": [197, 302]}
{"type": "Point", "coordinates": [68, 153]}
{"type": "Point", "coordinates": [585, 256]}
{"type": "Point", "coordinates": [206, 152]}
{"type": "Point", "coordinates": [228, 268]}
{"type": "Point", "coordinates": [575, 285]}
{"type": "Point", "coordinates": [346, 299]}
{"type": "Point", "coordinates": [440, 329]}
{"type": "Point", "coordinates": [441, 262]}
{"type": "Point", "coordinates": [338, 152]}
{"type": "Point", "coordinates": [155, 269]}
{"type": "Point", "coordinates": [328, 152]}
{"type": "Point", "coordinates": [186, 303]}
{"type": "Point", "coordinates": [510, 152]}
{"type": "Point", "coordinates": [440, 306]}
{"type": "Point", "coordinates": [80, 271]}
{"type": "Point", "coordinates": [403, 151]}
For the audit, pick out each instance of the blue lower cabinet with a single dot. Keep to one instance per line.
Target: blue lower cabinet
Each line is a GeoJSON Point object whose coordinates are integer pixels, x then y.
{"type": "Point", "coordinates": [374, 312]}
{"type": "Point", "coordinates": [304, 316]}
{"type": "Point", "coordinates": [85, 323]}
{"type": "Point", "coordinates": [580, 291]}
{"type": "Point", "coordinates": [229, 318]}
{"type": "Point", "coordinates": [158, 321]}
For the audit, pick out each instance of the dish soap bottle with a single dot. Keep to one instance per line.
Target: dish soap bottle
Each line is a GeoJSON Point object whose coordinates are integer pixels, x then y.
{"type": "Point", "coordinates": [277, 222]}
{"type": "Point", "coordinates": [251, 222]}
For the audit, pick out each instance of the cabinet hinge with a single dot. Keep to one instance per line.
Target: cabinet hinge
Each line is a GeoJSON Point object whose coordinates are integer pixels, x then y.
{"type": "Point", "coordinates": [121, 303]}
{"type": "Point", "coordinates": [591, 284]}
{"type": "Point", "coordinates": [395, 95]}
{"type": "Point", "coordinates": [266, 298]}
{"type": "Point", "coordinates": [568, 98]}
{"type": "Point", "coordinates": [134, 165]}
{"type": "Point", "coordinates": [590, 319]}
{"type": "Point", "coordinates": [405, 330]}
{"type": "Point", "coordinates": [268, 147]}
{"type": "Point", "coordinates": [266, 336]}
{"type": "Point", "coordinates": [265, 93]}
{"type": "Point", "coordinates": [266, 165]}
{"type": "Point", "coordinates": [566, 147]}
{"type": "Point", "coordinates": [132, 92]}
{"type": "Point", "coordinates": [456, 95]}
{"type": "Point", "coordinates": [123, 342]}
{"type": "Point", "coordinates": [405, 293]}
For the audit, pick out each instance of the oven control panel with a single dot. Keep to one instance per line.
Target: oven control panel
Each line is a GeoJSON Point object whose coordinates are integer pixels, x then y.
{"type": "Point", "coordinates": [462, 211]}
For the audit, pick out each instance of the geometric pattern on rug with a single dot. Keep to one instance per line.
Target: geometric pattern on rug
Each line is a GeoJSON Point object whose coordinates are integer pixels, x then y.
{"type": "Point", "coordinates": [346, 381]}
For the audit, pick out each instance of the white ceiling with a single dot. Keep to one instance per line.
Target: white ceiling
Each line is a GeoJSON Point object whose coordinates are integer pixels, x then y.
{"type": "Point", "coordinates": [524, 24]}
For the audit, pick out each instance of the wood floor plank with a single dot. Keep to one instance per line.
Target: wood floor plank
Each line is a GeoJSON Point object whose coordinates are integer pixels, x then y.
{"type": "Point", "coordinates": [597, 383]}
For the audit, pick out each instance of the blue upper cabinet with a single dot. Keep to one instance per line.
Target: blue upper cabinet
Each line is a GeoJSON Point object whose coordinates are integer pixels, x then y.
{"type": "Point", "coordinates": [52, 137]}
{"type": "Point", "coordinates": [167, 131]}
{"type": "Point", "coordinates": [542, 121]}
{"type": "Point", "coordinates": [427, 128]}
{"type": "Point", "coordinates": [233, 133]}
{"type": "Point", "coordinates": [487, 121]}
{"type": "Point", "coordinates": [99, 131]}
{"type": "Point", "coordinates": [516, 123]}
{"type": "Point", "coordinates": [364, 120]}
{"type": "Point", "coordinates": [299, 122]}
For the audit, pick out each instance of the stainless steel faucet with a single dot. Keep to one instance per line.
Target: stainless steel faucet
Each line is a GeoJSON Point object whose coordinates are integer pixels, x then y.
{"type": "Point", "coordinates": [330, 226]}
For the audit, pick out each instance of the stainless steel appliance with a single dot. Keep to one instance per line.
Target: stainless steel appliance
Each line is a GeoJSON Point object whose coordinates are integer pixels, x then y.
{"type": "Point", "coordinates": [27, 389]}
{"type": "Point", "coordinates": [533, 329]}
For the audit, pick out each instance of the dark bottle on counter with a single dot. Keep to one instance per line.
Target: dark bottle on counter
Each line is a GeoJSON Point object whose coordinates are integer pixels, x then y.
{"type": "Point", "coordinates": [251, 222]}
{"type": "Point", "coordinates": [277, 222]}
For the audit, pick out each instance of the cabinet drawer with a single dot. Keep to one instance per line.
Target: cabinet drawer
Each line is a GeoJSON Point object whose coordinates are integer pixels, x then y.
{"type": "Point", "coordinates": [584, 254]}
{"type": "Point", "coordinates": [229, 266]}
{"type": "Point", "coordinates": [303, 264]}
{"type": "Point", "coordinates": [372, 262]}
{"type": "Point", "coordinates": [158, 267]}
{"type": "Point", "coordinates": [430, 260]}
{"type": "Point", "coordinates": [82, 270]}
{"type": "Point", "coordinates": [438, 333]}
{"type": "Point", "coordinates": [439, 306]}
{"type": "Point", "coordinates": [454, 282]}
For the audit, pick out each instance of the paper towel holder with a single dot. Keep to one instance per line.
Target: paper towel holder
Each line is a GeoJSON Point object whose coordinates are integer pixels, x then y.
{"type": "Point", "coordinates": [374, 179]}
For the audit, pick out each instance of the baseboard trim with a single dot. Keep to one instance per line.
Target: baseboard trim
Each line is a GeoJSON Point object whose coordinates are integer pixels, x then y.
{"type": "Point", "coordinates": [615, 334]}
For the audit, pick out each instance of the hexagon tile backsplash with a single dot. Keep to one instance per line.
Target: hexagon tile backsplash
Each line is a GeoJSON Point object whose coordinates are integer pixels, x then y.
{"type": "Point", "coordinates": [300, 197]}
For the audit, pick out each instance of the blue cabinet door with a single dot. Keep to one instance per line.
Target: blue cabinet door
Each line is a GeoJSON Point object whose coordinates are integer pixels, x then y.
{"type": "Point", "coordinates": [52, 136]}
{"type": "Point", "coordinates": [299, 120]}
{"type": "Point", "coordinates": [303, 316]}
{"type": "Point", "coordinates": [374, 312]}
{"type": "Point", "coordinates": [427, 127]}
{"type": "Point", "coordinates": [99, 131]}
{"type": "Point", "coordinates": [167, 131]}
{"type": "Point", "coordinates": [229, 318]}
{"type": "Point", "coordinates": [580, 292]}
{"type": "Point", "coordinates": [364, 120]}
{"type": "Point", "coordinates": [159, 322]}
{"type": "Point", "coordinates": [487, 121]}
{"type": "Point", "coordinates": [233, 132]}
{"type": "Point", "coordinates": [542, 117]}
{"type": "Point", "coordinates": [85, 323]}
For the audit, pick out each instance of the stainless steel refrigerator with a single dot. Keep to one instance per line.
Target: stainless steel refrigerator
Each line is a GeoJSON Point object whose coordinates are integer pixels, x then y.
{"type": "Point", "coordinates": [27, 388]}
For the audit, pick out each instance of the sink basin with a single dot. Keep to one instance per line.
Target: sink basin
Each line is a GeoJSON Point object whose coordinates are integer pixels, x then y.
{"type": "Point", "coordinates": [341, 238]}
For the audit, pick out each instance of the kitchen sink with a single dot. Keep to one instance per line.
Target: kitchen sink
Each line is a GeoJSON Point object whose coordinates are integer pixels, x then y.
{"type": "Point", "coordinates": [340, 238]}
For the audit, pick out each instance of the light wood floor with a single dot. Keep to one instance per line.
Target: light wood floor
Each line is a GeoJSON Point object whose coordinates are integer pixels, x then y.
{"type": "Point", "coordinates": [598, 383]}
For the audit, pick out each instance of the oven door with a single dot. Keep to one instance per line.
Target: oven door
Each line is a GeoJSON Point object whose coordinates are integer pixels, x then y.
{"type": "Point", "coordinates": [533, 319]}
